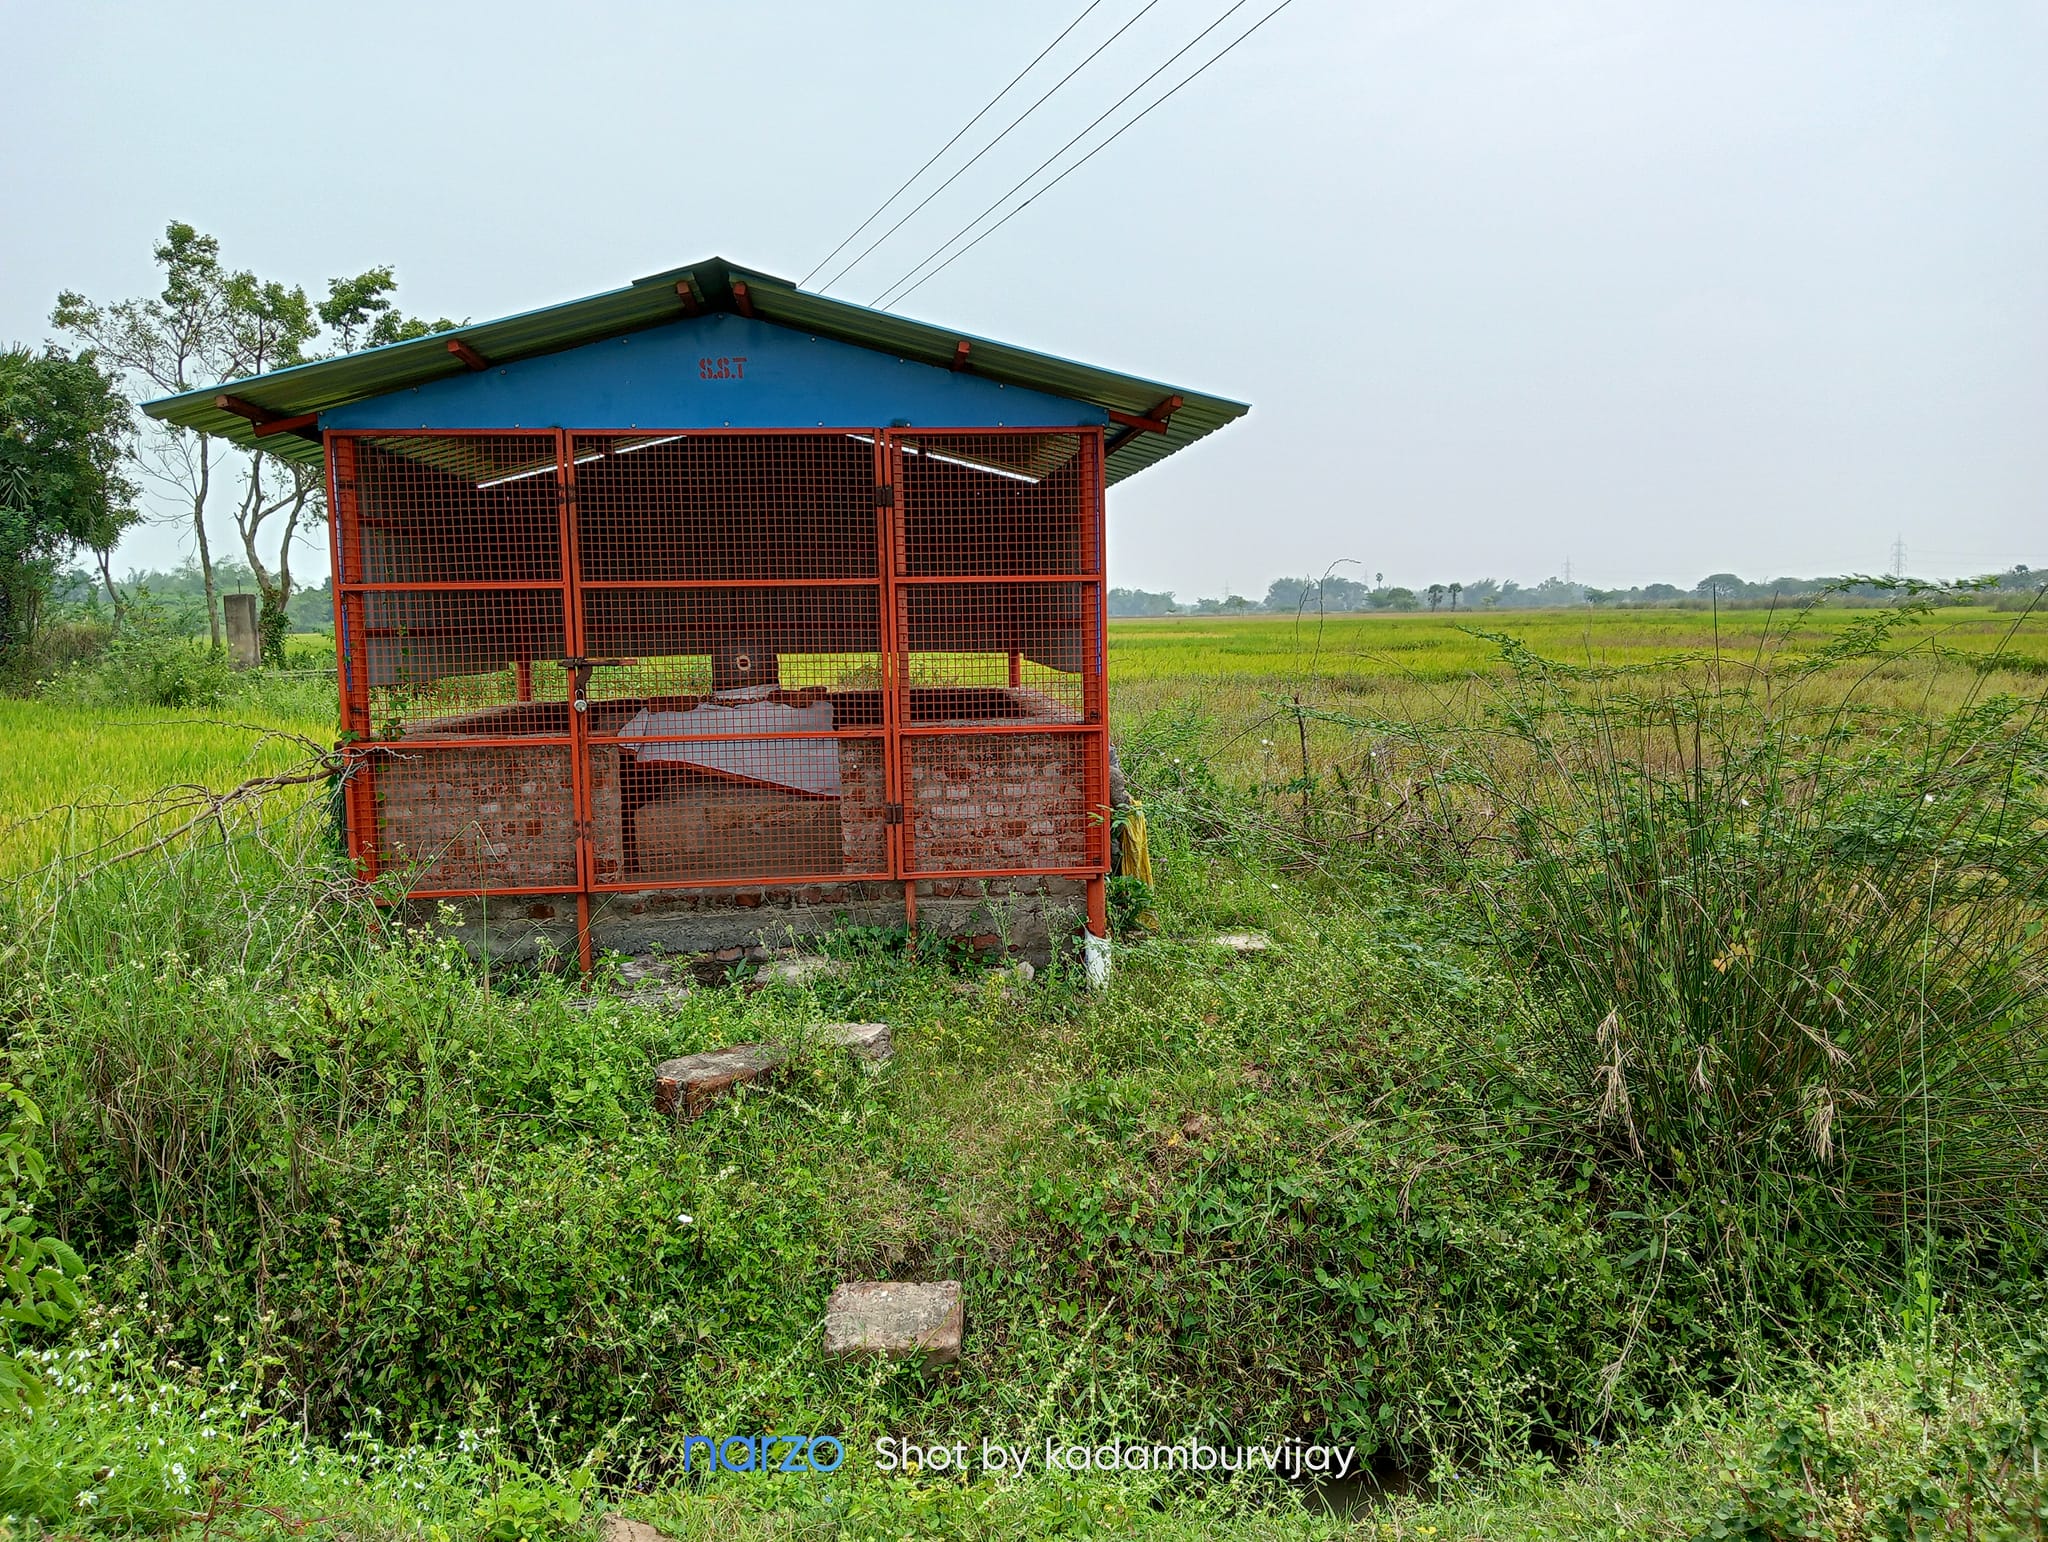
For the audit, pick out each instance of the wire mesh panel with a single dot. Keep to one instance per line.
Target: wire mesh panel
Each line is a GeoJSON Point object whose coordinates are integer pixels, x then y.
{"type": "Point", "coordinates": [977, 652]}
{"type": "Point", "coordinates": [999, 803]}
{"type": "Point", "coordinates": [452, 631]}
{"type": "Point", "coordinates": [752, 802]}
{"type": "Point", "coordinates": [677, 640]}
{"type": "Point", "coordinates": [453, 509]}
{"type": "Point", "coordinates": [462, 663]}
{"type": "Point", "coordinates": [730, 596]}
{"type": "Point", "coordinates": [987, 503]}
{"type": "Point", "coordinates": [720, 508]}
{"type": "Point", "coordinates": [471, 819]}
{"type": "Point", "coordinates": [996, 572]}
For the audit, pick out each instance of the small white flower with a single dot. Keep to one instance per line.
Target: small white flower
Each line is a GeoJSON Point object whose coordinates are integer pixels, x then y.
{"type": "Point", "coordinates": [1743, 801]}
{"type": "Point", "coordinates": [685, 1220]}
{"type": "Point", "coordinates": [1274, 887]}
{"type": "Point", "coordinates": [1268, 743]}
{"type": "Point", "coordinates": [87, 1500]}
{"type": "Point", "coordinates": [1928, 799]}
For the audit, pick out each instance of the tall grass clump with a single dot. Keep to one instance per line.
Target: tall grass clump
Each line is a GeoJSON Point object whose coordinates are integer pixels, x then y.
{"type": "Point", "coordinates": [1776, 950]}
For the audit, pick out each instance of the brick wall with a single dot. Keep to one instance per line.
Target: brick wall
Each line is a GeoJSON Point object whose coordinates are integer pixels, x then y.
{"type": "Point", "coordinates": [863, 806]}
{"type": "Point", "coordinates": [503, 817]}
{"type": "Point", "coordinates": [477, 818]}
{"type": "Point", "coordinates": [997, 801]}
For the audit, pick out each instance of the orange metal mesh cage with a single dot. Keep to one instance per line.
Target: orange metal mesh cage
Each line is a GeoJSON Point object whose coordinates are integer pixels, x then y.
{"type": "Point", "coordinates": [607, 661]}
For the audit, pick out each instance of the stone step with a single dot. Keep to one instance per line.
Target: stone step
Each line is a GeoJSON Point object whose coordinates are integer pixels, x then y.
{"type": "Point", "coordinates": [649, 981]}
{"type": "Point", "coordinates": [895, 1320]}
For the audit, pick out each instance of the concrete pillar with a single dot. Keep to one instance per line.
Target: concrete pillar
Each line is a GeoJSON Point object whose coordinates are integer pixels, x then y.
{"type": "Point", "coordinates": [245, 643]}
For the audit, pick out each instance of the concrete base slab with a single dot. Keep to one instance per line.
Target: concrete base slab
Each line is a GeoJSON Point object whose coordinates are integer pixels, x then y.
{"type": "Point", "coordinates": [894, 1320]}
{"type": "Point", "coordinates": [1034, 913]}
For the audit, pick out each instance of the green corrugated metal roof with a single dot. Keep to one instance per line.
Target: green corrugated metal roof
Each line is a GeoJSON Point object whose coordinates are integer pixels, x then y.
{"type": "Point", "coordinates": [653, 301]}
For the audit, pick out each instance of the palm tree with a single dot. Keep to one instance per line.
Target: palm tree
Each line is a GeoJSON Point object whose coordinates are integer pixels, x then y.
{"type": "Point", "coordinates": [1456, 590]}
{"type": "Point", "coordinates": [1436, 595]}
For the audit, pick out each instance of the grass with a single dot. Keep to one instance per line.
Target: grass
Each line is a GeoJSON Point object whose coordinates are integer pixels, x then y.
{"type": "Point", "coordinates": [385, 1245]}
{"type": "Point", "coordinates": [1242, 674]}
{"type": "Point", "coordinates": [1442, 646]}
{"type": "Point", "coordinates": [75, 776]}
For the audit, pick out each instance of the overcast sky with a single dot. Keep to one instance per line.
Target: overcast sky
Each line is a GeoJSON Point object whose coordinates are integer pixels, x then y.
{"type": "Point", "coordinates": [1660, 289]}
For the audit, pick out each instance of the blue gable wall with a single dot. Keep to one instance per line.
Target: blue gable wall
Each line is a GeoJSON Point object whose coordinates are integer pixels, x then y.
{"type": "Point", "coordinates": [658, 379]}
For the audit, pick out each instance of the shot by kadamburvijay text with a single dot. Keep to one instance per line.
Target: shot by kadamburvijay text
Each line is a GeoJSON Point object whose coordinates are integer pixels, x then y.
{"type": "Point", "coordinates": [993, 1458]}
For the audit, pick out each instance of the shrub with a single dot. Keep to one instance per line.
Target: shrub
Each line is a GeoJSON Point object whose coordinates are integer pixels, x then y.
{"type": "Point", "coordinates": [77, 638]}
{"type": "Point", "coordinates": [39, 1273]}
{"type": "Point", "coordinates": [147, 662]}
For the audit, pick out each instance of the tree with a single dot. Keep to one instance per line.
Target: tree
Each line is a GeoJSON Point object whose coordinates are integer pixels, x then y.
{"type": "Point", "coordinates": [359, 313]}
{"type": "Point", "coordinates": [1456, 590]}
{"type": "Point", "coordinates": [1436, 594]}
{"type": "Point", "coordinates": [1342, 594]}
{"type": "Point", "coordinates": [1291, 594]}
{"type": "Point", "coordinates": [276, 325]}
{"type": "Point", "coordinates": [175, 342]}
{"type": "Point", "coordinates": [64, 427]}
{"type": "Point", "coordinates": [211, 325]}
{"type": "Point", "coordinates": [1724, 586]}
{"type": "Point", "coordinates": [1141, 602]}
{"type": "Point", "coordinates": [272, 326]}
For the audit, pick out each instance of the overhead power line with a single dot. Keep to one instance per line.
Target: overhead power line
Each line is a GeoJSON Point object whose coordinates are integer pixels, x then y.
{"type": "Point", "coordinates": [987, 108]}
{"type": "Point", "coordinates": [896, 293]}
{"type": "Point", "coordinates": [1097, 53]}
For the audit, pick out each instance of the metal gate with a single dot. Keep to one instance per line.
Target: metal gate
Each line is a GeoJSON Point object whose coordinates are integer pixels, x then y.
{"type": "Point", "coordinates": [582, 662]}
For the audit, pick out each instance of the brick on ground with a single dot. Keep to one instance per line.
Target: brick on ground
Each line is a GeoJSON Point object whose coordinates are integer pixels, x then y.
{"type": "Point", "coordinates": [686, 1086]}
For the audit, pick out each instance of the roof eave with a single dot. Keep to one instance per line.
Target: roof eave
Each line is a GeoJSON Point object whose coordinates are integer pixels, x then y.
{"type": "Point", "coordinates": [657, 300]}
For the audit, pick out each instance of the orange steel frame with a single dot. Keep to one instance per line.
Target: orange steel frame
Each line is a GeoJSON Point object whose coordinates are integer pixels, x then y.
{"type": "Point", "coordinates": [360, 744]}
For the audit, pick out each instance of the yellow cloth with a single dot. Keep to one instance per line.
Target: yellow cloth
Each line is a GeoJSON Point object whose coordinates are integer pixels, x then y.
{"type": "Point", "coordinates": [1134, 860]}
{"type": "Point", "coordinates": [1133, 857]}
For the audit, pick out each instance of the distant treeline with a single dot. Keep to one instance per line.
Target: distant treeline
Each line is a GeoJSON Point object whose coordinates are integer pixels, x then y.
{"type": "Point", "coordinates": [179, 593]}
{"type": "Point", "coordinates": [1336, 594]}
